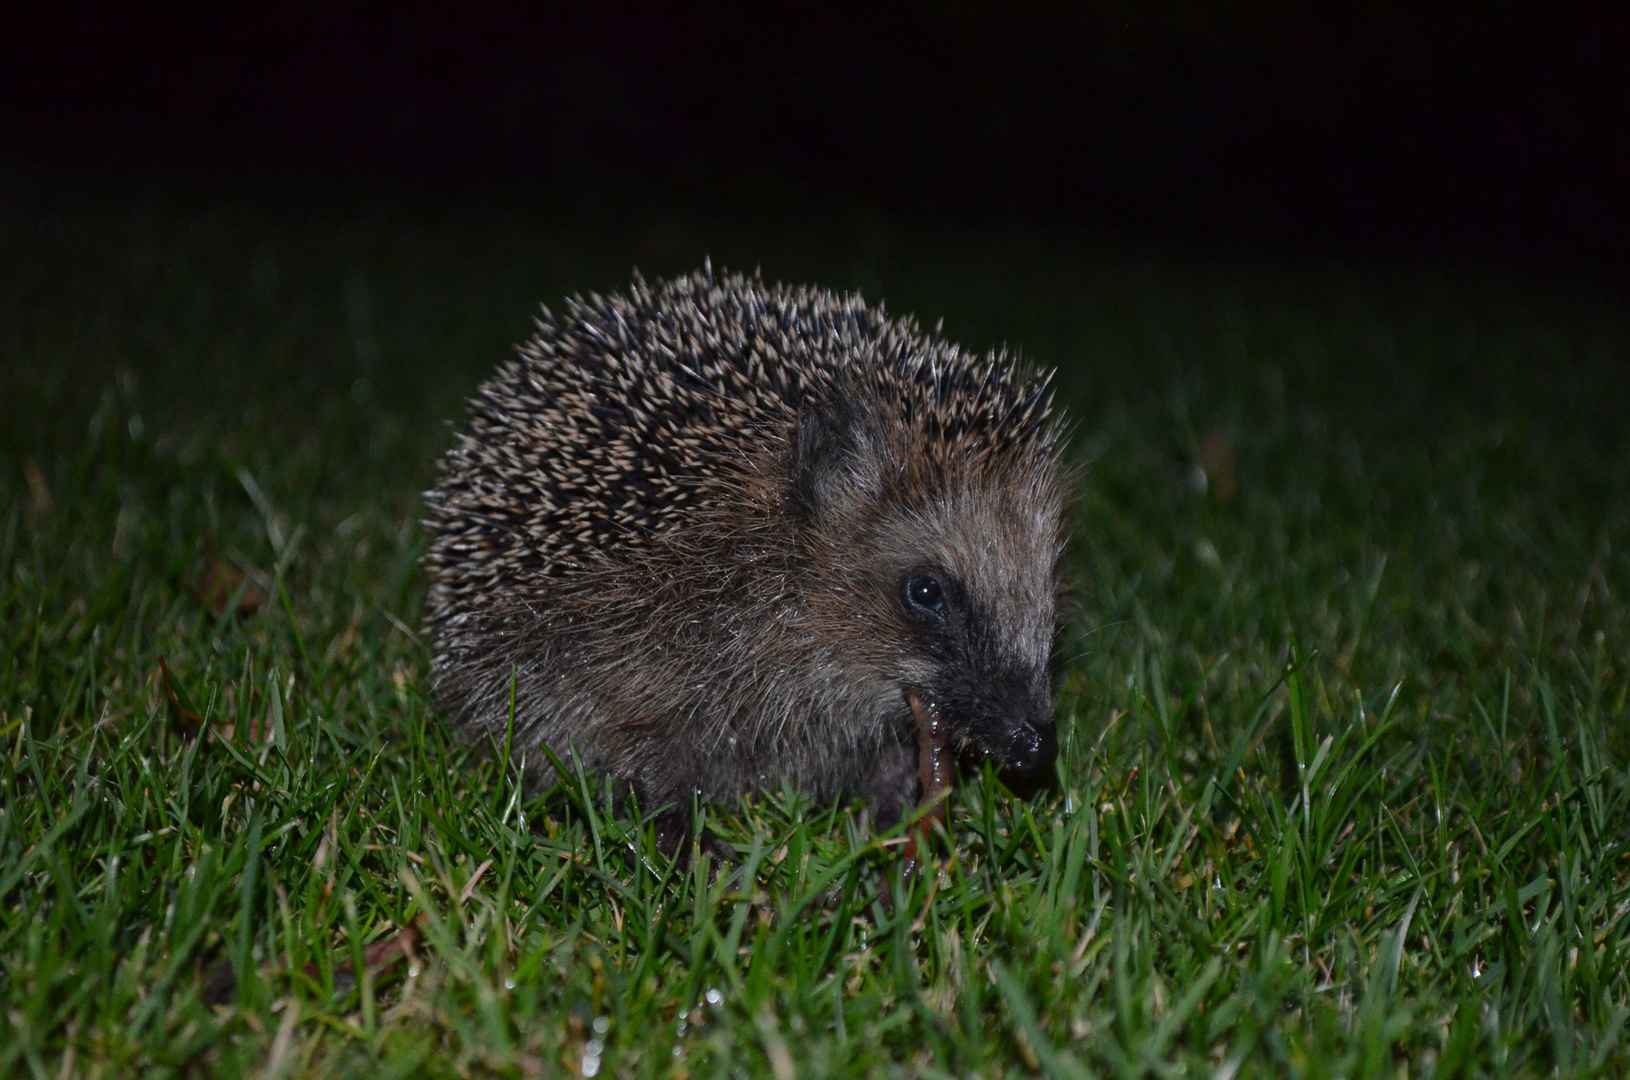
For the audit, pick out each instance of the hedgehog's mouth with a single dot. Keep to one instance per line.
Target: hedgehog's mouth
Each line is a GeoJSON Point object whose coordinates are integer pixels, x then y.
{"type": "Point", "coordinates": [1026, 745]}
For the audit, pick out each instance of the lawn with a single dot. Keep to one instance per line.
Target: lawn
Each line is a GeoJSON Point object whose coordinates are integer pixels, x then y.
{"type": "Point", "coordinates": [1344, 787]}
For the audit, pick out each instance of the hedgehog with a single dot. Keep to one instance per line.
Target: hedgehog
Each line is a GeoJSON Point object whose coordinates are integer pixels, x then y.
{"type": "Point", "coordinates": [713, 536]}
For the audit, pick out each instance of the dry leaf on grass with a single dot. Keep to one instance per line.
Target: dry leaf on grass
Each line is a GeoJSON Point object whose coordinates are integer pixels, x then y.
{"type": "Point", "coordinates": [182, 708]}
{"type": "Point", "coordinates": [217, 584]}
{"type": "Point", "coordinates": [381, 956]}
{"type": "Point", "coordinates": [1217, 459]}
{"type": "Point", "coordinates": [219, 984]}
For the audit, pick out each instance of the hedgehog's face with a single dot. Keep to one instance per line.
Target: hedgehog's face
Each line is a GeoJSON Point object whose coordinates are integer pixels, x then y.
{"type": "Point", "coordinates": [1003, 706]}
{"type": "Point", "coordinates": [944, 587]}
{"type": "Point", "coordinates": [971, 581]}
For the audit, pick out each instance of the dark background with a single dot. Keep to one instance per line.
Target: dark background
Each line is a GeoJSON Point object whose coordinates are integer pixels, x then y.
{"type": "Point", "coordinates": [1445, 132]}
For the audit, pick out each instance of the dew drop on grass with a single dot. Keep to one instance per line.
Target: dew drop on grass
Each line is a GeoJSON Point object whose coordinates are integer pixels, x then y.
{"type": "Point", "coordinates": [593, 1049]}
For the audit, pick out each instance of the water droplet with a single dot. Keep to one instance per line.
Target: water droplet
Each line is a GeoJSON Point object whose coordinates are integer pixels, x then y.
{"type": "Point", "coordinates": [714, 998]}
{"type": "Point", "coordinates": [509, 984]}
{"type": "Point", "coordinates": [602, 1024]}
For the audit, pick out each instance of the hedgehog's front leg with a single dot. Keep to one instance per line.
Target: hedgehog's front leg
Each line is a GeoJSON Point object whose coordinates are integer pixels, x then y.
{"type": "Point", "coordinates": [674, 829]}
{"type": "Point", "coordinates": [890, 787]}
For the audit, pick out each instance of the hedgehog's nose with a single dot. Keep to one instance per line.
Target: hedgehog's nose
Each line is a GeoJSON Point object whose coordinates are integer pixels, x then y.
{"type": "Point", "coordinates": [1031, 750]}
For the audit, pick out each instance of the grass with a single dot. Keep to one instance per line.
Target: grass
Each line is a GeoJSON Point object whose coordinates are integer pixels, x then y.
{"type": "Point", "coordinates": [1345, 781]}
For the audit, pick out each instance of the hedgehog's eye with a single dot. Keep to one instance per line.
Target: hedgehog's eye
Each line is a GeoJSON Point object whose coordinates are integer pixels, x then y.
{"type": "Point", "coordinates": [925, 594]}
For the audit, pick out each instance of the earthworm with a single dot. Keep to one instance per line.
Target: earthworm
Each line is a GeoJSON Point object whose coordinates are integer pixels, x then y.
{"type": "Point", "coordinates": [933, 772]}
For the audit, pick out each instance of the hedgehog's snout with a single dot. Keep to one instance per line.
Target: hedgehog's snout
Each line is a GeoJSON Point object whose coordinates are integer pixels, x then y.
{"type": "Point", "coordinates": [1006, 716]}
{"type": "Point", "coordinates": [1031, 750]}
{"type": "Point", "coordinates": [1025, 736]}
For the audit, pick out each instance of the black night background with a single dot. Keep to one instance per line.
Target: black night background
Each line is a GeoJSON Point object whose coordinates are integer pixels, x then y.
{"type": "Point", "coordinates": [1483, 132]}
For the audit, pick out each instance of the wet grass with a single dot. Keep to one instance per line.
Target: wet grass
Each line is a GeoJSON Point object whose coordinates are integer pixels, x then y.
{"type": "Point", "coordinates": [1345, 782]}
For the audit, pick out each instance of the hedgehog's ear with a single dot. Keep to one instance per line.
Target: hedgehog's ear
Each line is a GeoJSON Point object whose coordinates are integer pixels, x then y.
{"type": "Point", "coordinates": [839, 456]}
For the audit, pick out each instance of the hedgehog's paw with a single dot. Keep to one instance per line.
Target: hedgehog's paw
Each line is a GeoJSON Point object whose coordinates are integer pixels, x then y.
{"type": "Point", "coordinates": [890, 788]}
{"type": "Point", "coordinates": [677, 838]}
